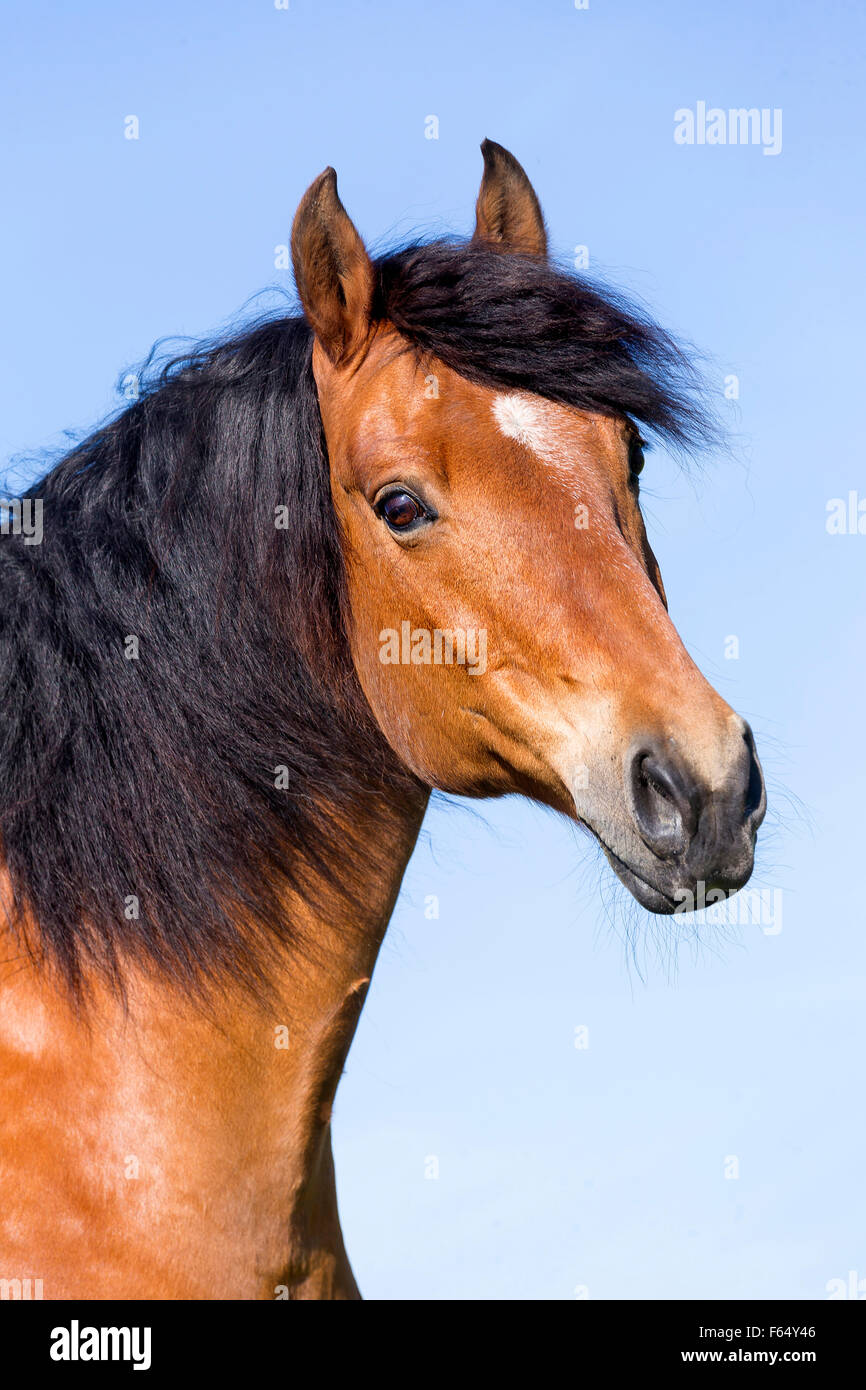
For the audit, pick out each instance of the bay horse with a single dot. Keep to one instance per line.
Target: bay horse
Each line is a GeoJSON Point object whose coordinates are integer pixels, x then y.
{"type": "Point", "coordinates": [314, 570]}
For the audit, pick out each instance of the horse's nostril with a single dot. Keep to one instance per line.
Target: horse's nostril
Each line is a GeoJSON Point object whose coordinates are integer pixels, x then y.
{"type": "Point", "coordinates": [756, 798]}
{"type": "Point", "coordinates": [710, 833]}
{"type": "Point", "coordinates": [664, 803]}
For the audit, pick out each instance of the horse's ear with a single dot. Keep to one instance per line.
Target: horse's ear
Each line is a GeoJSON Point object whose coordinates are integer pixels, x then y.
{"type": "Point", "coordinates": [508, 214]}
{"type": "Point", "coordinates": [333, 272]}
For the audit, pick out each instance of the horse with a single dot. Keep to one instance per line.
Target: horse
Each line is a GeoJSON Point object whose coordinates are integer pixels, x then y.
{"type": "Point", "coordinates": [319, 567]}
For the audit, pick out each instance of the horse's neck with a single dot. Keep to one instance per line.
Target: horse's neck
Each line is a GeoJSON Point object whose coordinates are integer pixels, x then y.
{"type": "Point", "coordinates": [167, 1151]}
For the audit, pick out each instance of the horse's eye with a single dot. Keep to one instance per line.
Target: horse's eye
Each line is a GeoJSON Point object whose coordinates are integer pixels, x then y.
{"type": "Point", "coordinates": [400, 510]}
{"type": "Point", "coordinates": [635, 457]}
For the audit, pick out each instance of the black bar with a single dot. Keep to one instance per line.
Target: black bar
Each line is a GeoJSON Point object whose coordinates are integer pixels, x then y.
{"type": "Point", "coordinates": [610, 1336]}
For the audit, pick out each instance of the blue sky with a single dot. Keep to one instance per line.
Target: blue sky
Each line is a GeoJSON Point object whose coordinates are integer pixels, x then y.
{"type": "Point", "coordinates": [562, 1170]}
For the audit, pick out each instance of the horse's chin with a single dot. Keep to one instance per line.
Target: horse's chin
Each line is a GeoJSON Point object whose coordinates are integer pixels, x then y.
{"type": "Point", "coordinates": [675, 898]}
{"type": "Point", "coordinates": [649, 896]}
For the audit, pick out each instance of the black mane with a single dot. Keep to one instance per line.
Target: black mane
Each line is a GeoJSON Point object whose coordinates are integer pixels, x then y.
{"type": "Point", "coordinates": [514, 322]}
{"type": "Point", "coordinates": [156, 778]}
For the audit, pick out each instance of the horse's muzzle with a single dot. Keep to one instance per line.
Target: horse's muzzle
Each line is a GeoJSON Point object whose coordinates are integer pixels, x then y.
{"type": "Point", "coordinates": [692, 841]}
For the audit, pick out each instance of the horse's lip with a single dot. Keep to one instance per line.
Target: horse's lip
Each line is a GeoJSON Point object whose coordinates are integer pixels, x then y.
{"type": "Point", "coordinates": [649, 895]}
